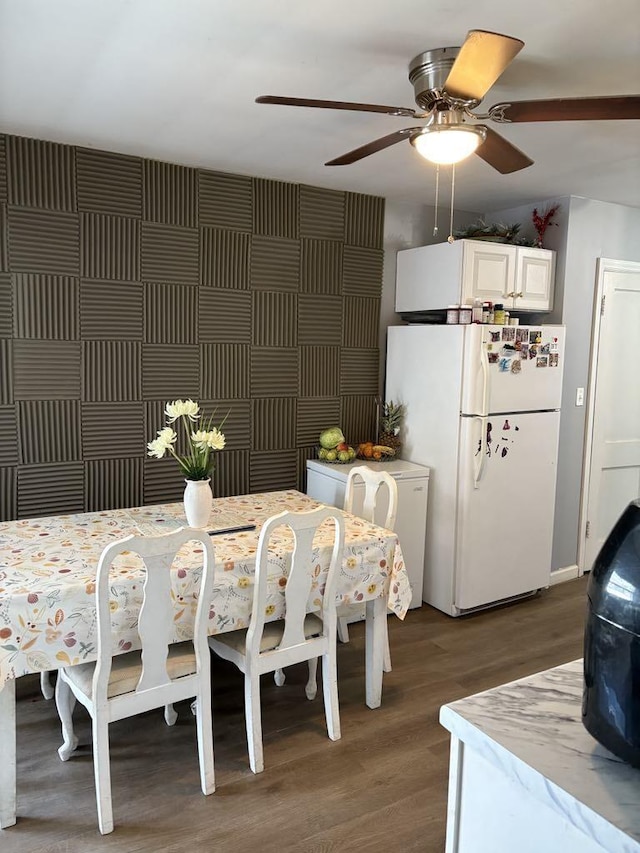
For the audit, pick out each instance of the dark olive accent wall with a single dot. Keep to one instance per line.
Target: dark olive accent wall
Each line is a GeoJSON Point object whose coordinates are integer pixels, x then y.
{"type": "Point", "coordinates": [127, 282]}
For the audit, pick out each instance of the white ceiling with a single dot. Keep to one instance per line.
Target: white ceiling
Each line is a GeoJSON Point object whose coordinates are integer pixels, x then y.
{"type": "Point", "coordinates": [176, 80]}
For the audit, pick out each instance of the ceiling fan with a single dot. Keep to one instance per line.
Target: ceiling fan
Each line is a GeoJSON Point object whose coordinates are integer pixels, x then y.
{"type": "Point", "coordinates": [449, 83]}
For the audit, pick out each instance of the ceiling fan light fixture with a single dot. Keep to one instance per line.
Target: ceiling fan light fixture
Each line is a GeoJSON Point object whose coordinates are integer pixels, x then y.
{"type": "Point", "coordinates": [446, 145]}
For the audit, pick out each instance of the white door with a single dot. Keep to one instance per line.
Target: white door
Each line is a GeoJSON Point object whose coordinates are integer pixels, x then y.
{"type": "Point", "coordinates": [505, 522]}
{"type": "Point", "coordinates": [613, 453]}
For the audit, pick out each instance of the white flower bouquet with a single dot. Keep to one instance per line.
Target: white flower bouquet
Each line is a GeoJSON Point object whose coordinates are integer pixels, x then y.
{"type": "Point", "coordinates": [203, 438]}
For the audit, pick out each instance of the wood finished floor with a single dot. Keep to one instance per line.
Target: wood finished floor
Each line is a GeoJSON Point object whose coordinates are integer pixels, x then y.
{"type": "Point", "coordinates": [383, 787]}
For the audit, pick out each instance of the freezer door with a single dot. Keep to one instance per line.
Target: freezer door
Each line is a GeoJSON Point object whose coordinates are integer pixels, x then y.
{"type": "Point", "coordinates": [512, 368]}
{"type": "Point", "coordinates": [506, 497]}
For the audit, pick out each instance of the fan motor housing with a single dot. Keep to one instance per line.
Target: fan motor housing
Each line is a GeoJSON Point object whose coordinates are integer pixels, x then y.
{"type": "Point", "coordinates": [428, 74]}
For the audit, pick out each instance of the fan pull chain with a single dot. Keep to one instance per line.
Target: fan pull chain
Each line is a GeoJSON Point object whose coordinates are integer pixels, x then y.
{"type": "Point", "coordinates": [435, 213]}
{"type": "Point", "coordinates": [451, 238]}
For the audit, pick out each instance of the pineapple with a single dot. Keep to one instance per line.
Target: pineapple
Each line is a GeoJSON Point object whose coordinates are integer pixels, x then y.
{"type": "Point", "coordinates": [391, 417]}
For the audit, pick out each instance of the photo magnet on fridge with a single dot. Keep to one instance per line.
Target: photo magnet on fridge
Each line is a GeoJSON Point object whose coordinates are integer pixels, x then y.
{"type": "Point", "coordinates": [542, 361]}
{"type": "Point", "coordinates": [516, 365]}
{"type": "Point", "coordinates": [535, 337]}
{"type": "Point", "coordinates": [493, 357]}
{"type": "Point", "coordinates": [533, 351]}
{"type": "Point", "coordinates": [544, 349]}
{"type": "Point", "coordinates": [522, 335]}
{"type": "Point", "coordinates": [509, 333]}
{"type": "Point", "coordinates": [553, 359]}
{"type": "Point", "coordinates": [524, 351]}
{"type": "Point", "coordinates": [495, 336]}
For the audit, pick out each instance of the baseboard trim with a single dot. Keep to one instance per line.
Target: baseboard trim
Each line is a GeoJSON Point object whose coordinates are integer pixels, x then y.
{"type": "Point", "coordinates": [569, 573]}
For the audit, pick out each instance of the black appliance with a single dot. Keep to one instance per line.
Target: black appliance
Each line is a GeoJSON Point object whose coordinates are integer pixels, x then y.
{"type": "Point", "coordinates": [611, 698]}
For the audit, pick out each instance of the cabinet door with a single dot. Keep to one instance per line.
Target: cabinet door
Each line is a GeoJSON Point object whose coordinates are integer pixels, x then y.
{"type": "Point", "coordinates": [488, 272]}
{"type": "Point", "coordinates": [535, 270]}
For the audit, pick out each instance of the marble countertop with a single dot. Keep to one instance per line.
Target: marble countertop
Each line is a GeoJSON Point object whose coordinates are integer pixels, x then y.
{"type": "Point", "coordinates": [532, 729]}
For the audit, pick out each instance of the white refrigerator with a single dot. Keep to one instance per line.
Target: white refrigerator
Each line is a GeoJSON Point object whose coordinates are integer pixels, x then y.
{"type": "Point", "coordinates": [327, 482]}
{"type": "Point", "coordinates": [482, 411]}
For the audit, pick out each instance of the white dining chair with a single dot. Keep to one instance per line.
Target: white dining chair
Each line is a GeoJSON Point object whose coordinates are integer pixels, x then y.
{"type": "Point", "coordinates": [300, 636]}
{"type": "Point", "coordinates": [374, 481]}
{"type": "Point", "coordinates": [120, 686]}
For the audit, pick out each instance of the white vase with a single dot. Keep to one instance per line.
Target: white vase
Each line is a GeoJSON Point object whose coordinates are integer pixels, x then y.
{"type": "Point", "coordinates": [198, 498]}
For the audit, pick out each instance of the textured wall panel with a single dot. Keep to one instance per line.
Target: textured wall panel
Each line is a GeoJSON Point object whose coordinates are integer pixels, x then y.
{"type": "Point", "coordinates": [224, 258]}
{"type": "Point", "coordinates": [50, 489]}
{"type": "Point", "coordinates": [110, 247]}
{"type": "Point", "coordinates": [274, 372]}
{"type": "Point", "coordinates": [111, 310]}
{"type": "Point", "coordinates": [321, 213]}
{"type": "Point", "coordinates": [275, 264]}
{"type": "Point", "coordinates": [304, 453]}
{"type": "Point", "coordinates": [319, 371]}
{"type": "Point", "coordinates": [319, 319]}
{"type": "Point", "coordinates": [6, 372]}
{"type": "Point", "coordinates": [362, 271]}
{"type": "Point", "coordinates": [364, 220]}
{"type": "Point", "coordinates": [169, 194]}
{"type": "Point", "coordinates": [46, 306]}
{"type": "Point", "coordinates": [275, 208]}
{"type": "Point", "coordinates": [43, 241]}
{"type": "Point", "coordinates": [6, 306]}
{"type": "Point", "coordinates": [359, 371]}
{"type": "Point", "coordinates": [358, 418]}
{"type": "Point", "coordinates": [8, 436]}
{"type": "Point", "coordinates": [163, 482]}
{"type": "Point", "coordinates": [3, 169]}
{"type": "Point", "coordinates": [361, 325]}
{"type": "Point", "coordinates": [41, 174]}
{"type": "Point", "coordinates": [111, 370]}
{"type": "Point", "coordinates": [109, 183]}
{"type": "Point", "coordinates": [274, 423]}
{"type": "Point", "coordinates": [113, 483]}
{"type": "Point", "coordinates": [275, 319]}
{"type": "Point", "coordinates": [321, 267]}
{"type": "Point", "coordinates": [274, 471]}
{"type": "Point", "coordinates": [46, 370]}
{"type": "Point", "coordinates": [170, 253]}
{"type": "Point", "coordinates": [224, 316]}
{"type": "Point", "coordinates": [225, 371]}
{"type": "Point", "coordinates": [49, 431]}
{"type": "Point", "coordinates": [171, 371]}
{"type": "Point", "coordinates": [237, 424]}
{"type": "Point", "coordinates": [113, 430]}
{"type": "Point", "coordinates": [4, 230]}
{"type": "Point", "coordinates": [314, 415]}
{"type": "Point", "coordinates": [8, 494]}
{"type": "Point", "coordinates": [231, 474]}
{"type": "Point", "coordinates": [171, 314]}
{"type": "Point", "coordinates": [225, 201]}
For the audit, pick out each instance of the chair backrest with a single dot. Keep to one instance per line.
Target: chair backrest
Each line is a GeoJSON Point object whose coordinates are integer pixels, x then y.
{"type": "Point", "coordinates": [302, 571]}
{"type": "Point", "coordinates": [155, 620]}
{"type": "Point", "coordinates": [373, 481]}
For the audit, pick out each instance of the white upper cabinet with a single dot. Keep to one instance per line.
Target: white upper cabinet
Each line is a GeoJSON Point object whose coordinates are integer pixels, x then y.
{"type": "Point", "coordinates": [431, 277]}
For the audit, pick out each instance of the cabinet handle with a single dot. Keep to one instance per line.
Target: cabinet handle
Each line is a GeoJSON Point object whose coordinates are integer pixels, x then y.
{"type": "Point", "coordinates": [510, 295]}
{"type": "Point", "coordinates": [521, 294]}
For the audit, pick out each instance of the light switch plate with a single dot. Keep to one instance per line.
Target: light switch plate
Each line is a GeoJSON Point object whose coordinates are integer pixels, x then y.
{"type": "Point", "coordinates": [579, 396]}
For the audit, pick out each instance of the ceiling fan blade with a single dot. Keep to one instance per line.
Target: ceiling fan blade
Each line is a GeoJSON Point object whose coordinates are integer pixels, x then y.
{"type": "Point", "coordinates": [372, 147]}
{"type": "Point", "coordinates": [569, 109]}
{"type": "Point", "coordinates": [501, 154]}
{"type": "Point", "coordinates": [481, 60]}
{"type": "Point", "coordinates": [338, 105]}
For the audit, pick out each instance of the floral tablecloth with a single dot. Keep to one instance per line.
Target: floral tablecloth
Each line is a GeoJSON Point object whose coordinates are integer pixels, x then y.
{"type": "Point", "coordinates": [48, 567]}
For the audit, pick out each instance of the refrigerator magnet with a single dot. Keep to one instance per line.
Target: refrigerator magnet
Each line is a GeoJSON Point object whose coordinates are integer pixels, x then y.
{"type": "Point", "coordinates": [542, 361]}
{"type": "Point", "coordinates": [553, 359]}
{"type": "Point", "coordinates": [544, 349]}
{"type": "Point", "coordinates": [533, 351]}
{"type": "Point", "coordinates": [504, 365]}
{"type": "Point", "coordinates": [509, 333]}
{"type": "Point", "coordinates": [493, 357]}
{"type": "Point", "coordinates": [516, 365]}
{"type": "Point", "coordinates": [535, 337]}
{"type": "Point", "coordinates": [522, 336]}
{"type": "Point", "coordinates": [495, 337]}
{"type": "Point", "coordinates": [553, 346]}
{"type": "Point", "coordinates": [524, 351]}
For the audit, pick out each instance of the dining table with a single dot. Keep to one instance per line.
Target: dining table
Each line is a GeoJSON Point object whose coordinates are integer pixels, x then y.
{"type": "Point", "coordinates": [47, 588]}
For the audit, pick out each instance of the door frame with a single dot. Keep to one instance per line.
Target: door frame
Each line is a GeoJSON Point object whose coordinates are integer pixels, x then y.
{"type": "Point", "coordinates": [603, 266]}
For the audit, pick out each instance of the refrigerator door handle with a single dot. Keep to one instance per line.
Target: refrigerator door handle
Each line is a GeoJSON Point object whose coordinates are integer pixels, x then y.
{"type": "Point", "coordinates": [484, 362]}
{"type": "Point", "coordinates": [479, 467]}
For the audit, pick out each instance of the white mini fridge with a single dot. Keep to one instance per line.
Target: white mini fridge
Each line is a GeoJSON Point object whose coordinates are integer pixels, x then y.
{"type": "Point", "coordinates": [327, 481]}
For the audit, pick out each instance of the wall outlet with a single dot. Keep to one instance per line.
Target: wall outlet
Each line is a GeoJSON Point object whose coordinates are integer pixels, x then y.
{"type": "Point", "coordinates": [579, 396]}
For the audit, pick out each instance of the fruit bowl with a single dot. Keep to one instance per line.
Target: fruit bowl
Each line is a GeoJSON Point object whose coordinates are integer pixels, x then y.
{"type": "Point", "coordinates": [335, 456]}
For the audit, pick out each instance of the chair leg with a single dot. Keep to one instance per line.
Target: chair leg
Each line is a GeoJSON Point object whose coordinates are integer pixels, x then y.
{"type": "Point", "coordinates": [170, 715]}
{"type": "Point", "coordinates": [312, 684]}
{"type": "Point", "coordinates": [204, 728]}
{"type": "Point", "coordinates": [343, 629]}
{"type": "Point", "coordinates": [253, 721]}
{"type": "Point", "coordinates": [386, 664]}
{"type": "Point", "coordinates": [65, 703]}
{"type": "Point", "coordinates": [102, 774]}
{"type": "Point", "coordinates": [45, 685]}
{"type": "Point", "coordinates": [330, 691]}
{"type": "Point", "coordinates": [279, 677]}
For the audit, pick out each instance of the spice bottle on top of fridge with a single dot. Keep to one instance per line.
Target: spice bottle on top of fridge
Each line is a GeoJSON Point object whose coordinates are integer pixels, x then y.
{"type": "Point", "coordinates": [465, 314]}
{"type": "Point", "coordinates": [498, 314]}
{"type": "Point", "coordinates": [453, 315]}
{"type": "Point", "coordinates": [476, 311]}
{"type": "Point", "coordinates": [486, 310]}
